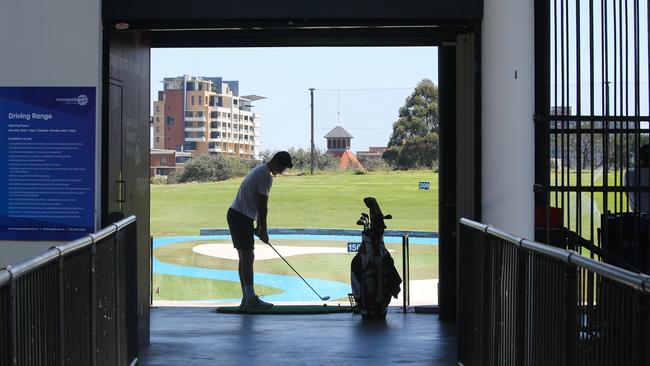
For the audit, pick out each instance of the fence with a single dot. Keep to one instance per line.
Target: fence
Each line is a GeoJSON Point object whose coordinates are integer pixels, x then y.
{"type": "Point", "coordinates": [595, 117]}
{"type": "Point", "coordinates": [74, 304]}
{"type": "Point", "coordinates": [526, 303]}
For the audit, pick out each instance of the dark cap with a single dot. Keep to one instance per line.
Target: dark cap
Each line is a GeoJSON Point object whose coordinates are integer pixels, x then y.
{"type": "Point", "coordinates": [283, 158]}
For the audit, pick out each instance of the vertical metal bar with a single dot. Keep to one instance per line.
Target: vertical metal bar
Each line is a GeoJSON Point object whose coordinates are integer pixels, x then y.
{"type": "Point", "coordinates": [13, 329]}
{"type": "Point", "coordinates": [93, 303]}
{"type": "Point", "coordinates": [571, 321]}
{"type": "Point", "coordinates": [555, 102]}
{"type": "Point", "coordinates": [578, 123]}
{"type": "Point", "coordinates": [622, 99]}
{"type": "Point", "coordinates": [643, 329]}
{"type": "Point", "coordinates": [592, 114]}
{"type": "Point", "coordinates": [637, 90]}
{"type": "Point", "coordinates": [118, 296]}
{"type": "Point", "coordinates": [566, 102]}
{"type": "Point", "coordinates": [408, 273]}
{"type": "Point", "coordinates": [61, 312]}
{"type": "Point", "coordinates": [405, 280]}
{"type": "Point", "coordinates": [615, 99]}
{"type": "Point", "coordinates": [563, 109]}
{"type": "Point", "coordinates": [605, 94]}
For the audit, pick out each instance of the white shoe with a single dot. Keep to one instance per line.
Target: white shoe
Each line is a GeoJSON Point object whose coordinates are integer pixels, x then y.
{"type": "Point", "coordinates": [254, 303]}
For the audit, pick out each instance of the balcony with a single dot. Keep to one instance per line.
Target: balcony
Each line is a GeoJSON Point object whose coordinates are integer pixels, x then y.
{"type": "Point", "coordinates": [215, 148]}
{"type": "Point", "coordinates": [195, 139]}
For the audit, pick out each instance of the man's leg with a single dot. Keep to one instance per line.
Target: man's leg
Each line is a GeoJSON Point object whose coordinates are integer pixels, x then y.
{"type": "Point", "coordinates": [251, 300]}
{"type": "Point", "coordinates": [246, 258]}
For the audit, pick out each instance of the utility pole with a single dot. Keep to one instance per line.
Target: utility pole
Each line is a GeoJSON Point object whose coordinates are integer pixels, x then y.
{"type": "Point", "coordinates": [311, 90]}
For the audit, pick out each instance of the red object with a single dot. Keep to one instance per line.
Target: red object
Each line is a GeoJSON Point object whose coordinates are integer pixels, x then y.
{"type": "Point", "coordinates": [553, 214]}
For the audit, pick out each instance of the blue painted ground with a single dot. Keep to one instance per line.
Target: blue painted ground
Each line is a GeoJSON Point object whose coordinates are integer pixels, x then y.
{"type": "Point", "coordinates": [293, 287]}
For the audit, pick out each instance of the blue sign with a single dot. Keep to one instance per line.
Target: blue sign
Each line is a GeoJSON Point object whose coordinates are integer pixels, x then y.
{"type": "Point", "coordinates": [353, 247]}
{"type": "Point", "coordinates": [48, 162]}
{"type": "Point", "coordinates": [424, 185]}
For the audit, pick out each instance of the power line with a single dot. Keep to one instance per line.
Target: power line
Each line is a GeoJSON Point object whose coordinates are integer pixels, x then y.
{"type": "Point", "coordinates": [284, 110]}
{"type": "Point", "coordinates": [356, 128]}
{"type": "Point", "coordinates": [366, 89]}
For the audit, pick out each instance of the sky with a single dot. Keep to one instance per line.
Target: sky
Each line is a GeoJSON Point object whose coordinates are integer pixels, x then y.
{"type": "Point", "coordinates": [358, 88]}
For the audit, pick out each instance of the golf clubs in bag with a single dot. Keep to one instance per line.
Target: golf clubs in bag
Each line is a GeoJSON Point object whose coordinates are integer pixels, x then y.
{"type": "Point", "coordinates": [374, 277]}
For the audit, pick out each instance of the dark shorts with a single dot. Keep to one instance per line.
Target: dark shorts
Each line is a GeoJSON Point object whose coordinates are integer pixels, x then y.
{"type": "Point", "coordinates": [241, 230]}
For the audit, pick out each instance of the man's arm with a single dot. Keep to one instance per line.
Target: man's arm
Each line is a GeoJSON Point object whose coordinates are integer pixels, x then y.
{"type": "Point", "coordinates": [262, 211]}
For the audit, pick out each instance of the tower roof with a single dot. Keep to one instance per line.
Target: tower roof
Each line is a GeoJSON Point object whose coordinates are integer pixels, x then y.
{"type": "Point", "coordinates": [338, 132]}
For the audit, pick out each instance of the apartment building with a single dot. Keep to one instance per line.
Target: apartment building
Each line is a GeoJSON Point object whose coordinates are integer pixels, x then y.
{"type": "Point", "coordinates": [205, 115]}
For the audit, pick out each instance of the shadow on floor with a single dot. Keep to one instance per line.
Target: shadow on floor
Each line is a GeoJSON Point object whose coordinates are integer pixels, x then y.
{"type": "Point", "coordinates": [200, 336]}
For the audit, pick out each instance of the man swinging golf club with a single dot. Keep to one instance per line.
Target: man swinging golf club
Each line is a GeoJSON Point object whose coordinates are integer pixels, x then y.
{"type": "Point", "coordinates": [249, 205]}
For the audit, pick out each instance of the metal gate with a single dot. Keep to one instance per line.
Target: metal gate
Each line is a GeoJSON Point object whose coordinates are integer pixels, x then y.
{"type": "Point", "coordinates": [592, 116]}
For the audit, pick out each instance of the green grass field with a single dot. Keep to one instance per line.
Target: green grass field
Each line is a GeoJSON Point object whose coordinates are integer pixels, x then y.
{"type": "Point", "coordinates": [588, 206]}
{"type": "Point", "coordinates": [321, 201]}
{"type": "Point", "coordinates": [318, 201]}
{"type": "Point", "coordinates": [324, 201]}
{"type": "Point", "coordinates": [423, 265]}
{"type": "Point", "coordinates": [180, 288]}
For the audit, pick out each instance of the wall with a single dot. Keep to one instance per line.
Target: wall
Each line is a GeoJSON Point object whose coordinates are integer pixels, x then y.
{"type": "Point", "coordinates": [174, 108]}
{"type": "Point", "coordinates": [507, 115]}
{"type": "Point", "coordinates": [49, 43]}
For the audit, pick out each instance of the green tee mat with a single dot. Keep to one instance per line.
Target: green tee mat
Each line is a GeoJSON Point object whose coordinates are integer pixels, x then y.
{"type": "Point", "coordinates": [287, 310]}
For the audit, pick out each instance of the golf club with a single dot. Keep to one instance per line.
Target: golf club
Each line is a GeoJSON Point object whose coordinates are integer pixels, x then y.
{"type": "Point", "coordinates": [324, 298]}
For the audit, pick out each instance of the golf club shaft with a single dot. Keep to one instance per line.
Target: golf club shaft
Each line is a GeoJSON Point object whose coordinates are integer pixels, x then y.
{"type": "Point", "coordinates": [285, 261]}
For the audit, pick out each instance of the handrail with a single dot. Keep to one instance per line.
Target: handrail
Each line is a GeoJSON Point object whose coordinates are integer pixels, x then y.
{"type": "Point", "coordinates": [30, 263]}
{"type": "Point", "coordinates": [639, 282]}
{"type": "Point", "coordinates": [5, 277]}
{"type": "Point", "coordinates": [26, 265]}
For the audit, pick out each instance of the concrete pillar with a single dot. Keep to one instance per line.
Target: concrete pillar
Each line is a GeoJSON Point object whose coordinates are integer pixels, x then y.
{"type": "Point", "coordinates": [507, 107]}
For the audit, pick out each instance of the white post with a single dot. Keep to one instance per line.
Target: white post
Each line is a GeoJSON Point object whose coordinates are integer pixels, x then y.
{"type": "Point", "coordinates": [507, 133]}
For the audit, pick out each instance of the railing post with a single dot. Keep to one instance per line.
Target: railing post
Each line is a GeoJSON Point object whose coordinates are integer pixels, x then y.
{"type": "Point", "coordinates": [522, 302]}
{"type": "Point", "coordinates": [118, 294]}
{"type": "Point", "coordinates": [13, 314]}
{"type": "Point", "coordinates": [61, 302]}
{"type": "Point", "coordinates": [408, 273]}
{"type": "Point", "coordinates": [404, 281]}
{"type": "Point", "coordinates": [93, 303]}
{"type": "Point", "coordinates": [406, 296]}
{"type": "Point", "coordinates": [570, 314]}
{"type": "Point", "coordinates": [644, 330]}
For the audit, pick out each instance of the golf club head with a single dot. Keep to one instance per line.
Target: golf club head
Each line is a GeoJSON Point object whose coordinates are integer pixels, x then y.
{"type": "Point", "coordinates": [325, 298]}
{"type": "Point", "coordinates": [365, 215]}
{"type": "Point", "coordinates": [359, 222]}
{"type": "Point", "coordinates": [388, 217]}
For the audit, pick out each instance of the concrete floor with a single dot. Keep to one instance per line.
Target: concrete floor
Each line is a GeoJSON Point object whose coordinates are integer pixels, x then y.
{"type": "Point", "coordinates": [200, 336]}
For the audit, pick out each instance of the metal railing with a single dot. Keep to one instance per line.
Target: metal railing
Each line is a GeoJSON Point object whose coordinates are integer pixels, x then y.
{"type": "Point", "coordinates": [75, 304]}
{"type": "Point", "coordinates": [525, 303]}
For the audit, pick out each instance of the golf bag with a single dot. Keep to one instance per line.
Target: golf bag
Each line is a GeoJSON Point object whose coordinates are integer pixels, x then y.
{"type": "Point", "coordinates": [374, 277]}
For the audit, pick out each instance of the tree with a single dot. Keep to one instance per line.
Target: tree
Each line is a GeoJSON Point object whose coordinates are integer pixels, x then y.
{"type": "Point", "coordinates": [414, 141]}
{"type": "Point", "coordinates": [210, 168]}
{"type": "Point", "coordinates": [301, 159]}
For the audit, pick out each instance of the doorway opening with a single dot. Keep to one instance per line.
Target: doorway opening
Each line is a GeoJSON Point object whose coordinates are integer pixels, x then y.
{"type": "Point", "coordinates": [221, 111]}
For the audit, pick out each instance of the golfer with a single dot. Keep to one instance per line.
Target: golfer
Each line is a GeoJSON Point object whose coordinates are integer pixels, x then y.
{"type": "Point", "coordinates": [251, 205]}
